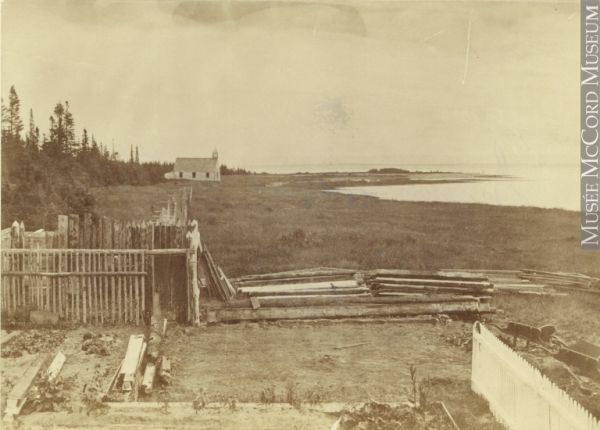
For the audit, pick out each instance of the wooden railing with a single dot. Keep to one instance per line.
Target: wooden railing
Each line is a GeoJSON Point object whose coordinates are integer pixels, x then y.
{"type": "Point", "coordinates": [518, 394]}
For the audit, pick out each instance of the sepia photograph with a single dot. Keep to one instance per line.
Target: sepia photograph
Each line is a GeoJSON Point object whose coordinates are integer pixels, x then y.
{"type": "Point", "coordinates": [300, 214]}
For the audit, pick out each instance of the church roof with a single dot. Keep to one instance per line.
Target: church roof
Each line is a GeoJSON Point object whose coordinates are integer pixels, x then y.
{"type": "Point", "coordinates": [195, 164]}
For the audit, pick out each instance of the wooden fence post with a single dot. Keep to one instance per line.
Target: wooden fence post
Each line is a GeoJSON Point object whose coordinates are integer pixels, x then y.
{"type": "Point", "coordinates": [194, 245]}
{"type": "Point", "coordinates": [73, 237]}
{"type": "Point", "coordinates": [63, 231]}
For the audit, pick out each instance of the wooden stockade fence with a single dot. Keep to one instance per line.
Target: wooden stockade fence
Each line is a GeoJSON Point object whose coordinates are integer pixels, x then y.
{"type": "Point", "coordinates": [91, 232]}
{"type": "Point", "coordinates": [87, 286]}
{"type": "Point", "coordinates": [177, 210]}
{"type": "Point", "coordinates": [100, 270]}
{"type": "Point", "coordinates": [87, 231]}
{"type": "Point", "coordinates": [519, 395]}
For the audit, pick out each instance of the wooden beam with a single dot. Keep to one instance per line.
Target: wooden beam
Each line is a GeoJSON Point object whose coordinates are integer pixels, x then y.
{"type": "Point", "coordinates": [432, 282]}
{"type": "Point", "coordinates": [416, 274]}
{"type": "Point", "coordinates": [133, 357]}
{"type": "Point", "coordinates": [346, 311]}
{"type": "Point", "coordinates": [306, 286]}
{"type": "Point", "coordinates": [313, 292]}
{"type": "Point", "coordinates": [148, 380]}
{"type": "Point", "coordinates": [292, 280]}
{"type": "Point", "coordinates": [9, 336]}
{"type": "Point", "coordinates": [301, 301]}
{"type": "Point", "coordinates": [18, 394]}
{"type": "Point", "coordinates": [421, 288]}
{"type": "Point", "coordinates": [73, 274]}
{"type": "Point", "coordinates": [56, 366]}
{"type": "Point", "coordinates": [319, 271]}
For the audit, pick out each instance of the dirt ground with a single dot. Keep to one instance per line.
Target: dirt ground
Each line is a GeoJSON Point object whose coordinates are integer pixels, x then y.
{"type": "Point", "coordinates": [303, 364]}
{"type": "Point", "coordinates": [82, 372]}
{"type": "Point", "coordinates": [278, 374]}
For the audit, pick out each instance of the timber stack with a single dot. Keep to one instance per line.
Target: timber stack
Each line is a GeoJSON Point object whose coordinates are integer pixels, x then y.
{"type": "Point", "coordinates": [345, 293]}
{"type": "Point", "coordinates": [386, 282]}
{"type": "Point", "coordinates": [535, 282]}
{"type": "Point", "coordinates": [217, 284]}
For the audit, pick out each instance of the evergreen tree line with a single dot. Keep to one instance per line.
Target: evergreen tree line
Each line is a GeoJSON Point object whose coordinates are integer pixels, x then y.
{"type": "Point", "coordinates": [51, 173]}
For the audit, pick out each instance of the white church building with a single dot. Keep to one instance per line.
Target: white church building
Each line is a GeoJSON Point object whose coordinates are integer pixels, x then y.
{"type": "Point", "coordinates": [196, 169]}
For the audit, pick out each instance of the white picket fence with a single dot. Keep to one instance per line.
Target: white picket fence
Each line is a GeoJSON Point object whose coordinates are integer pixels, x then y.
{"type": "Point", "coordinates": [519, 395]}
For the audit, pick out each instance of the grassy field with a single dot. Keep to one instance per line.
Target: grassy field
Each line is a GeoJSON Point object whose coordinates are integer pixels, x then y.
{"type": "Point", "coordinates": [265, 223]}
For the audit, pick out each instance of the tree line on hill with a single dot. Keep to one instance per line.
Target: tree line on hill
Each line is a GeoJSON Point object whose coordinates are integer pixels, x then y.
{"type": "Point", "coordinates": [44, 174]}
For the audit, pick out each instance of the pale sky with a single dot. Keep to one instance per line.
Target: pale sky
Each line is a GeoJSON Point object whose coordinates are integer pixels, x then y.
{"type": "Point", "coordinates": [299, 83]}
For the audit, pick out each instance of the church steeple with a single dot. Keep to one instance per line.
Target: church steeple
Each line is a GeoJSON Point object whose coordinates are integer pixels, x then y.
{"type": "Point", "coordinates": [215, 154]}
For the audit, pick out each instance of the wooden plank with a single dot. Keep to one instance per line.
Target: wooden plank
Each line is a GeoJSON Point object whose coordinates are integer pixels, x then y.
{"type": "Point", "coordinates": [143, 300]}
{"type": "Point", "coordinates": [148, 381]}
{"type": "Point", "coordinates": [303, 273]}
{"type": "Point", "coordinates": [137, 299]}
{"type": "Point", "coordinates": [339, 285]}
{"type": "Point", "coordinates": [9, 336]}
{"type": "Point", "coordinates": [105, 308]}
{"type": "Point", "coordinates": [18, 394]}
{"type": "Point", "coordinates": [119, 298]}
{"type": "Point", "coordinates": [432, 282]}
{"type": "Point", "coordinates": [59, 293]}
{"type": "Point", "coordinates": [346, 311]}
{"type": "Point", "coordinates": [133, 358]}
{"type": "Point", "coordinates": [56, 366]}
{"type": "Point", "coordinates": [366, 299]}
{"type": "Point", "coordinates": [311, 292]}
{"type": "Point", "coordinates": [416, 274]}
{"type": "Point", "coordinates": [84, 300]}
{"type": "Point", "coordinates": [113, 296]}
{"type": "Point", "coordinates": [78, 281]}
{"type": "Point", "coordinates": [98, 287]}
{"type": "Point", "coordinates": [294, 280]}
{"type": "Point", "coordinates": [423, 288]}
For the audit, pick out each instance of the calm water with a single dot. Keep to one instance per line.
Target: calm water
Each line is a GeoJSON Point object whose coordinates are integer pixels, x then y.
{"type": "Point", "coordinates": [544, 187]}
{"type": "Point", "coordinates": [547, 186]}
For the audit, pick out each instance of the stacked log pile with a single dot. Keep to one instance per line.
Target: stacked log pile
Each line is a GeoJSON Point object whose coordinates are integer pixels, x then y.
{"type": "Point", "coordinates": [407, 282]}
{"type": "Point", "coordinates": [342, 293]}
{"type": "Point", "coordinates": [535, 282]}
{"type": "Point", "coordinates": [217, 284]}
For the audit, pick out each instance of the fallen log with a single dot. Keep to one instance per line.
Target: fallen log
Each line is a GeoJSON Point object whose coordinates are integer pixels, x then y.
{"type": "Point", "coordinates": [308, 286]}
{"type": "Point", "coordinates": [468, 305]}
{"type": "Point", "coordinates": [432, 282]}
{"type": "Point", "coordinates": [314, 292]}
{"type": "Point", "coordinates": [294, 280]}
{"type": "Point", "coordinates": [325, 271]}
{"type": "Point", "coordinates": [390, 273]}
{"type": "Point", "coordinates": [425, 288]}
{"type": "Point", "coordinates": [300, 301]}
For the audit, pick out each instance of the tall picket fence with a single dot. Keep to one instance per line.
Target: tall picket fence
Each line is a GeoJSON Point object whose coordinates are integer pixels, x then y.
{"type": "Point", "coordinates": [518, 394]}
{"type": "Point", "coordinates": [86, 286]}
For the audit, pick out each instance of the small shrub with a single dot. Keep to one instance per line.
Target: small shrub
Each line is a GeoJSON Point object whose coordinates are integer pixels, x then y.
{"type": "Point", "coordinates": [291, 394]}
{"type": "Point", "coordinates": [267, 395]}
